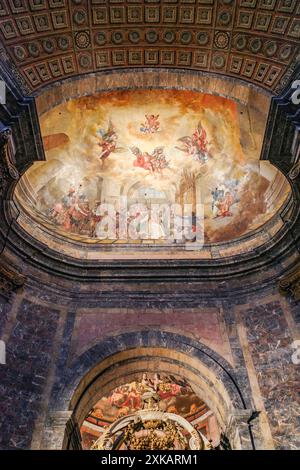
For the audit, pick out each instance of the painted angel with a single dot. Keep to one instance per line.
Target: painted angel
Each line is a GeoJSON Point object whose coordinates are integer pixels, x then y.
{"type": "Point", "coordinates": [154, 162]}
{"type": "Point", "coordinates": [224, 205]}
{"type": "Point", "coordinates": [159, 159]}
{"type": "Point", "coordinates": [108, 142]}
{"type": "Point", "coordinates": [143, 159]}
{"type": "Point", "coordinates": [196, 146]}
{"type": "Point", "coordinates": [151, 125]}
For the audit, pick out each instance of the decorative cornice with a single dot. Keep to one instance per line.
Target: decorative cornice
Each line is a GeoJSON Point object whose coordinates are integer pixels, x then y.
{"type": "Point", "coordinates": [282, 138]}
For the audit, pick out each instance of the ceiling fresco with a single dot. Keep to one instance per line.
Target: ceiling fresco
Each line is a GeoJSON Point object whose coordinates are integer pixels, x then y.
{"type": "Point", "coordinates": [174, 395]}
{"type": "Point", "coordinates": [132, 166]}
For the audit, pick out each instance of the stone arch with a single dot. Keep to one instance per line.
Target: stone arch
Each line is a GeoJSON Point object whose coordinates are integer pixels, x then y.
{"type": "Point", "coordinates": [94, 373]}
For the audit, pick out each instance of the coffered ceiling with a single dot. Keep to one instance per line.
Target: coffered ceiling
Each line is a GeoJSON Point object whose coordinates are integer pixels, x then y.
{"type": "Point", "coordinates": [47, 40]}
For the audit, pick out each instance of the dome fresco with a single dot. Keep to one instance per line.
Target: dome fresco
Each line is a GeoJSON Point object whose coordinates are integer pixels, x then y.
{"type": "Point", "coordinates": [133, 166]}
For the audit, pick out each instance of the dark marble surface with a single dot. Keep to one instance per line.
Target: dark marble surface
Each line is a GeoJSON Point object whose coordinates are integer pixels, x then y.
{"type": "Point", "coordinates": [4, 311]}
{"type": "Point", "coordinates": [32, 350]}
{"type": "Point", "coordinates": [279, 379]}
{"type": "Point", "coordinates": [23, 378]}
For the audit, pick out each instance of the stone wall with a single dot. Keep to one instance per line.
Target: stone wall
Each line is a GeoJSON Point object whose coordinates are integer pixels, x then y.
{"type": "Point", "coordinates": [46, 332]}
{"type": "Point", "coordinates": [4, 310]}
{"type": "Point", "coordinates": [270, 345]}
{"type": "Point", "coordinates": [29, 353]}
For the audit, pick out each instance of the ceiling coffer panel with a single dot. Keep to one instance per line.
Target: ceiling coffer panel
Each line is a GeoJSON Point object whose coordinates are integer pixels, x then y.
{"type": "Point", "coordinates": [48, 40]}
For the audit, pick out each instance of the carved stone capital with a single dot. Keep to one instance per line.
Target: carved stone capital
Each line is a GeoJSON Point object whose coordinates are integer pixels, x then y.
{"type": "Point", "coordinates": [237, 430]}
{"type": "Point", "coordinates": [61, 432]}
{"type": "Point", "coordinates": [59, 418]}
{"type": "Point", "coordinates": [290, 284]}
{"type": "Point", "coordinates": [10, 281]}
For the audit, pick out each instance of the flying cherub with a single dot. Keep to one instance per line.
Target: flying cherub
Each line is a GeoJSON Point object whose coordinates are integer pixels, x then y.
{"type": "Point", "coordinates": [151, 125]}
{"type": "Point", "coordinates": [196, 146]}
{"type": "Point", "coordinates": [154, 162]}
{"type": "Point", "coordinates": [108, 142]}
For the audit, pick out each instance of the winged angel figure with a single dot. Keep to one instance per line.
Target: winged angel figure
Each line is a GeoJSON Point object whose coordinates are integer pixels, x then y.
{"type": "Point", "coordinates": [196, 146]}
{"type": "Point", "coordinates": [108, 141]}
{"type": "Point", "coordinates": [151, 125]}
{"type": "Point", "coordinates": [154, 162]}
